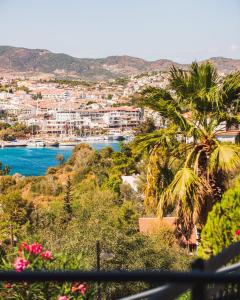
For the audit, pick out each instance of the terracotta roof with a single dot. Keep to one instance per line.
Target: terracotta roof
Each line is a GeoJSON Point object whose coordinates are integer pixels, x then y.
{"type": "Point", "coordinates": [152, 225]}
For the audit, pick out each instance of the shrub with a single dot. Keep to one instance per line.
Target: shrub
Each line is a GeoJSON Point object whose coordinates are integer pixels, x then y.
{"type": "Point", "coordinates": [34, 257]}
{"type": "Point", "coordinates": [51, 170]}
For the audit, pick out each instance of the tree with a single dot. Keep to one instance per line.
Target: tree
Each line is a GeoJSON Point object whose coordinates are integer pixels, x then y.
{"type": "Point", "coordinates": [222, 224]}
{"type": "Point", "coordinates": [4, 169]}
{"type": "Point", "coordinates": [15, 212]}
{"type": "Point", "coordinates": [97, 216]}
{"type": "Point", "coordinates": [15, 208]}
{"type": "Point", "coordinates": [147, 126]}
{"type": "Point", "coordinates": [60, 158]}
{"type": "Point", "coordinates": [67, 207]}
{"type": "Point", "coordinates": [197, 104]}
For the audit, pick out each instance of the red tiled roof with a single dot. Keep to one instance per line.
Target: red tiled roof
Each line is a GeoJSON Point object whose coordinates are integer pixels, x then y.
{"type": "Point", "coordinates": [152, 225]}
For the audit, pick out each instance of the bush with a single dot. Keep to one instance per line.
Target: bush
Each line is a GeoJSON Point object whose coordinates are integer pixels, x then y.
{"type": "Point", "coordinates": [51, 170]}
{"type": "Point", "coordinates": [33, 257]}
{"type": "Point", "coordinates": [6, 182]}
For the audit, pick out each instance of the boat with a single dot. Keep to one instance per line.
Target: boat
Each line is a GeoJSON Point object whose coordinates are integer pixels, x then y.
{"type": "Point", "coordinates": [68, 143]}
{"type": "Point", "coordinates": [36, 144]}
{"type": "Point", "coordinates": [116, 137]}
{"type": "Point", "coordinates": [51, 143]}
{"type": "Point", "coordinates": [5, 144]}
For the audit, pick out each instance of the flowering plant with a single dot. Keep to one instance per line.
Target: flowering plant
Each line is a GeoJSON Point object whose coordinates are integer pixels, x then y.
{"type": "Point", "coordinates": [34, 257]}
{"type": "Point", "coordinates": [237, 233]}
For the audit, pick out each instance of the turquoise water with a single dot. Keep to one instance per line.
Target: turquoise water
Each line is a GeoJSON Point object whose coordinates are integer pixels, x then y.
{"type": "Point", "coordinates": [35, 161]}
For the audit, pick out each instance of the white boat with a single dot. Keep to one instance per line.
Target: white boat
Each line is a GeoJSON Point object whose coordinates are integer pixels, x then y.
{"type": "Point", "coordinates": [12, 144]}
{"type": "Point", "coordinates": [36, 144]}
{"type": "Point", "coordinates": [51, 143]}
{"type": "Point", "coordinates": [68, 143]}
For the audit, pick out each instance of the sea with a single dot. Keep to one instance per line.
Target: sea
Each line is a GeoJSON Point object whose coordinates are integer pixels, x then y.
{"type": "Point", "coordinates": [35, 161]}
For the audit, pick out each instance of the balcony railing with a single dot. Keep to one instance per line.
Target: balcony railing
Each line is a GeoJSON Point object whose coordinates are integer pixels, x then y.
{"type": "Point", "coordinates": [210, 279]}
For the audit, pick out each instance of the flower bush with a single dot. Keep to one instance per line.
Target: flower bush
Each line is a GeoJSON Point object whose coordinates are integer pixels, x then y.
{"type": "Point", "coordinates": [32, 257]}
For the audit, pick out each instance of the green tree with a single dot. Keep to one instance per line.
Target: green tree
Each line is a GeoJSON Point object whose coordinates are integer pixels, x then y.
{"type": "Point", "coordinates": [197, 104]}
{"type": "Point", "coordinates": [60, 158]}
{"type": "Point", "coordinates": [4, 169]}
{"type": "Point", "coordinates": [222, 223]}
{"type": "Point", "coordinates": [15, 208]}
{"type": "Point", "coordinates": [15, 212]}
{"type": "Point", "coordinates": [147, 126]}
{"type": "Point", "coordinates": [98, 215]}
{"type": "Point", "coordinates": [67, 206]}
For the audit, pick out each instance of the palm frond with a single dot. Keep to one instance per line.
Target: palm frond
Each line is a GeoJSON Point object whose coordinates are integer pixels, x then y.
{"type": "Point", "coordinates": [146, 142]}
{"type": "Point", "coordinates": [161, 101]}
{"type": "Point", "coordinates": [230, 92]}
{"type": "Point", "coordinates": [199, 80]}
{"type": "Point", "coordinates": [225, 158]}
{"type": "Point", "coordinates": [186, 188]}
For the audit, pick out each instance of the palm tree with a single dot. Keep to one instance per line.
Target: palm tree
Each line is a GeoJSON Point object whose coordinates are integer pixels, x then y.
{"type": "Point", "coordinates": [188, 168]}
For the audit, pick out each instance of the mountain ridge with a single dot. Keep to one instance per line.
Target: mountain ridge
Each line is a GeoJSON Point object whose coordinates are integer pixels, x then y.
{"type": "Point", "coordinates": [20, 59]}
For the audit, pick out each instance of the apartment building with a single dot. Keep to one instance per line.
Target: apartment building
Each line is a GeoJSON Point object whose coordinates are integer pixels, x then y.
{"type": "Point", "coordinates": [119, 117]}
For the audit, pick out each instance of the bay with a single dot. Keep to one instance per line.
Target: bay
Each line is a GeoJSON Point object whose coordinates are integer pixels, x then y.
{"type": "Point", "coordinates": [35, 161]}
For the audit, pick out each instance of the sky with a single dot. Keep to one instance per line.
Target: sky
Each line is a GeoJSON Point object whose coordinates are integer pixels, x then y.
{"type": "Point", "coordinates": [181, 30]}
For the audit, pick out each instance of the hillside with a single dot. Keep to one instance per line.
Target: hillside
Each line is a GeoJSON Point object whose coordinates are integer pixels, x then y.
{"type": "Point", "coordinates": [62, 65]}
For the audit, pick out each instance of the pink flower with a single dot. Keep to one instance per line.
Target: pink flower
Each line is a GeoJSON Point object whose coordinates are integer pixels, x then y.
{"type": "Point", "coordinates": [47, 255]}
{"type": "Point", "coordinates": [63, 298]}
{"type": "Point", "coordinates": [20, 264]}
{"type": "Point", "coordinates": [82, 289]}
{"type": "Point", "coordinates": [8, 285]}
{"type": "Point", "coordinates": [35, 248]}
{"type": "Point", "coordinates": [23, 246]}
{"type": "Point", "coordinates": [237, 232]}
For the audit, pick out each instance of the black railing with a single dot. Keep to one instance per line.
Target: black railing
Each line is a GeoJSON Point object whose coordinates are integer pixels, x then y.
{"type": "Point", "coordinates": [206, 280]}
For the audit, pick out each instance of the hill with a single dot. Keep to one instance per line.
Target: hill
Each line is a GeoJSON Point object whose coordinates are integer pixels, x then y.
{"type": "Point", "coordinates": [43, 61]}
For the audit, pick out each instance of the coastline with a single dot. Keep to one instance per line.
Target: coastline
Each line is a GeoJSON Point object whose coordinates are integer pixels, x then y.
{"type": "Point", "coordinates": [63, 141]}
{"type": "Point", "coordinates": [34, 161]}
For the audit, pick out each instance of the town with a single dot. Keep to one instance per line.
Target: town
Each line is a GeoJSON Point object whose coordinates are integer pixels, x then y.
{"type": "Point", "coordinates": [66, 108]}
{"type": "Point", "coordinates": [69, 111]}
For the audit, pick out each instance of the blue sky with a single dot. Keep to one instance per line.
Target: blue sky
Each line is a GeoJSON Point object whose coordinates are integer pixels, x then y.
{"type": "Point", "coordinates": [182, 30]}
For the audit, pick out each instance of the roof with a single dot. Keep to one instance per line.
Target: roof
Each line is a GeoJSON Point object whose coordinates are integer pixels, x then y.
{"type": "Point", "coordinates": [153, 224]}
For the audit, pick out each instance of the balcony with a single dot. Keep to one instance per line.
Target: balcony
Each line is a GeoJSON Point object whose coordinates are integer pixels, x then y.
{"type": "Point", "coordinates": [209, 279]}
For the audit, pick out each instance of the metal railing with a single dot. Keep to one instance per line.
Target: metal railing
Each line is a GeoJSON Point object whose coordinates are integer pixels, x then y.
{"type": "Point", "coordinates": [207, 280]}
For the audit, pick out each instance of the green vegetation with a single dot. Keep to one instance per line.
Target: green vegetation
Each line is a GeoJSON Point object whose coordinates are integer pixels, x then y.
{"type": "Point", "coordinates": [121, 81]}
{"type": "Point", "coordinates": [23, 88]}
{"type": "Point", "coordinates": [17, 130]}
{"type": "Point", "coordinates": [183, 171]}
{"type": "Point", "coordinates": [188, 168]}
{"type": "Point", "coordinates": [83, 201]}
{"type": "Point", "coordinates": [223, 226]}
{"type": "Point", "coordinates": [147, 126]}
{"type": "Point", "coordinates": [69, 82]}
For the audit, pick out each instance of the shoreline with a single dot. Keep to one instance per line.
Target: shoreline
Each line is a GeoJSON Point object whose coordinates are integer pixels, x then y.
{"type": "Point", "coordinates": [34, 161]}
{"type": "Point", "coordinates": [59, 142]}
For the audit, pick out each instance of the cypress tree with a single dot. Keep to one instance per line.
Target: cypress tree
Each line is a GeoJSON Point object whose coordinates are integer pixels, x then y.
{"type": "Point", "coordinates": [67, 206]}
{"type": "Point", "coordinates": [222, 224]}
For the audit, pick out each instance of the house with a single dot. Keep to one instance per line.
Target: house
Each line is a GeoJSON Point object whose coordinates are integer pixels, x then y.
{"type": "Point", "coordinates": [151, 225]}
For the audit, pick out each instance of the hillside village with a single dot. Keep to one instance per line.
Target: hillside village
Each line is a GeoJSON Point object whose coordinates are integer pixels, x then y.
{"type": "Point", "coordinates": [74, 108]}
{"type": "Point", "coordinates": [77, 108]}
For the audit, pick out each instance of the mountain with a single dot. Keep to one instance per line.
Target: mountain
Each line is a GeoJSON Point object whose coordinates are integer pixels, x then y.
{"type": "Point", "coordinates": [43, 61]}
